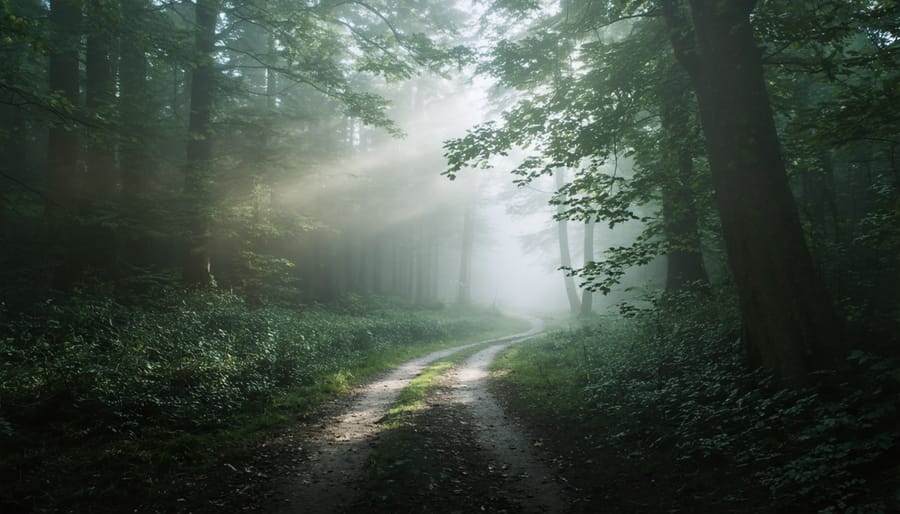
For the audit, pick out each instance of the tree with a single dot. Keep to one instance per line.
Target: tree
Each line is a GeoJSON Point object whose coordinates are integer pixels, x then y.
{"type": "Point", "coordinates": [615, 108]}
{"type": "Point", "coordinates": [790, 324]}
{"type": "Point", "coordinates": [684, 259]}
{"type": "Point", "coordinates": [64, 81]}
{"type": "Point", "coordinates": [96, 245]}
{"type": "Point", "coordinates": [196, 269]}
{"type": "Point", "coordinates": [464, 294]}
{"type": "Point", "coordinates": [565, 258]}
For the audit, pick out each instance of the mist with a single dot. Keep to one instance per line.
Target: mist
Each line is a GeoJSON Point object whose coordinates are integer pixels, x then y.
{"type": "Point", "coordinates": [449, 256]}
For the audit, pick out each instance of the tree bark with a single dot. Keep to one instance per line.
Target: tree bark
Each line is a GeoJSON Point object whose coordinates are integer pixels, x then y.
{"type": "Point", "coordinates": [62, 143]}
{"type": "Point", "coordinates": [99, 99]}
{"type": "Point", "coordinates": [197, 264]}
{"type": "Point", "coordinates": [684, 258]}
{"type": "Point", "coordinates": [565, 257]}
{"type": "Point", "coordinates": [132, 114]}
{"type": "Point", "coordinates": [464, 292]}
{"type": "Point", "coordinates": [587, 296]}
{"type": "Point", "coordinates": [789, 322]}
{"type": "Point", "coordinates": [96, 242]}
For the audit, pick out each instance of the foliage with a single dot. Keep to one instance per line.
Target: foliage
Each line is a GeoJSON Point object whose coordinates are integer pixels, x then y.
{"type": "Point", "coordinates": [611, 119]}
{"type": "Point", "coordinates": [668, 385]}
{"type": "Point", "coordinates": [88, 371]}
{"type": "Point", "coordinates": [188, 362]}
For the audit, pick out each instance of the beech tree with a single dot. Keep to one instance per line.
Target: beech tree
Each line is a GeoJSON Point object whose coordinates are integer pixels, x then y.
{"type": "Point", "coordinates": [790, 323]}
{"type": "Point", "coordinates": [625, 89]}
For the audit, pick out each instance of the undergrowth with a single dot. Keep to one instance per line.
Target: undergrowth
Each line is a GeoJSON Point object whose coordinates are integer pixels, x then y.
{"type": "Point", "coordinates": [99, 398]}
{"type": "Point", "coordinates": [668, 394]}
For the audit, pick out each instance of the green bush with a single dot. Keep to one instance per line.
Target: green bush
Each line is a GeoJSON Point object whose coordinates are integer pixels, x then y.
{"type": "Point", "coordinates": [671, 385]}
{"type": "Point", "coordinates": [192, 360]}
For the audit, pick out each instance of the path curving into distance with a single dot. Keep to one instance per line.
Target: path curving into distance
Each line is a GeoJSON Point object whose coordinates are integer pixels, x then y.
{"type": "Point", "coordinates": [339, 448]}
{"type": "Point", "coordinates": [502, 439]}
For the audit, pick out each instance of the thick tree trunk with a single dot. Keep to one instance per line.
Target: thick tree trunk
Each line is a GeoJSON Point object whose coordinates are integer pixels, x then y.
{"type": "Point", "coordinates": [196, 270]}
{"type": "Point", "coordinates": [587, 296]}
{"type": "Point", "coordinates": [135, 166]}
{"type": "Point", "coordinates": [565, 257]}
{"type": "Point", "coordinates": [789, 322]}
{"type": "Point", "coordinates": [684, 258]}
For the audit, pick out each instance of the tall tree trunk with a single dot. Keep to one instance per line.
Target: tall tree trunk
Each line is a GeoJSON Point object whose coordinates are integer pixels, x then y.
{"type": "Point", "coordinates": [132, 114]}
{"type": "Point", "coordinates": [587, 296]}
{"type": "Point", "coordinates": [63, 143]}
{"type": "Point", "coordinates": [464, 292]}
{"type": "Point", "coordinates": [684, 258]}
{"type": "Point", "coordinates": [789, 322]}
{"type": "Point", "coordinates": [434, 264]}
{"type": "Point", "coordinates": [422, 262]}
{"type": "Point", "coordinates": [565, 257]}
{"type": "Point", "coordinates": [271, 75]}
{"type": "Point", "coordinates": [99, 99]}
{"type": "Point", "coordinates": [97, 241]}
{"type": "Point", "coordinates": [198, 171]}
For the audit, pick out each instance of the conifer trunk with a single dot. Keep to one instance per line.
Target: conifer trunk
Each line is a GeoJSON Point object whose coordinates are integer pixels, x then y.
{"type": "Point", "coordinates": [62, 143]}
{"type": "Point", "coordinates": [196, 270]}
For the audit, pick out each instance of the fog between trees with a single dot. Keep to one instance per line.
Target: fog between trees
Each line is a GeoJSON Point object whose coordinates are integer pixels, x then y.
{"type": "Point", "coordinates": [219, 208]}
{"type": "Point", "coordinates": [259, 147]}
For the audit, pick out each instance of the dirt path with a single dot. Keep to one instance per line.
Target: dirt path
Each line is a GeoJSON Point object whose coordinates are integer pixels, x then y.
{"type": "Point", "coordinates": [505, 441]}
{"type": "Point", "coordinates": [331, 478]}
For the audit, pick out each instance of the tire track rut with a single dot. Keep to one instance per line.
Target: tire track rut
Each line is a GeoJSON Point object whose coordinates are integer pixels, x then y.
{"type": "Point", "coordinates": [338, 449]}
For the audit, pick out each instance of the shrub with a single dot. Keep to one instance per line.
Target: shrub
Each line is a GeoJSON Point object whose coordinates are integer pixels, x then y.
{"type": "Point", "coordinates": [193, 359]}
{"type": "Point", "coordinates": [671, 384]}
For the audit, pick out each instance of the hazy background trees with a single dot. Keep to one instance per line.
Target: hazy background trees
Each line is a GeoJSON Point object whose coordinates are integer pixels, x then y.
{"type": "Point", "coordinates": [246, 145]}
{"type": "Point", "coordinates": [705, 101]}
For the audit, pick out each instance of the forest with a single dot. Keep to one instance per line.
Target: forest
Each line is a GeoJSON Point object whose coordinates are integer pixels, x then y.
{"type": "Point", "coordinates": [393, 256]}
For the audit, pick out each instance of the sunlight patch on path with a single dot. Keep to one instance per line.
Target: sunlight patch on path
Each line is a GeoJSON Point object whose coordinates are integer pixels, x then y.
{"type": "Point", "coordinates": [340, 447]}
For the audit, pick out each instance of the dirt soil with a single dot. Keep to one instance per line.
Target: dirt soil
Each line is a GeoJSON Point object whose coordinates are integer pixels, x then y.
{"type": "Point", "coordinates": [465, 456]}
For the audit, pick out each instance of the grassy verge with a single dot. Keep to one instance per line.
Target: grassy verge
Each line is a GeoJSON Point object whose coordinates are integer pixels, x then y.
{"type": "Point", "coordinates": [106, 406]}
{"type": "Point", "coordinates": [659, 413]}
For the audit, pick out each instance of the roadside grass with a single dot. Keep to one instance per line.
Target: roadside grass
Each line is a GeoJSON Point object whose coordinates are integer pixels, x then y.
{"type": "Point", "coordinates": [300, 401]}
{"type": "Point", "coordinates": [549, 376]}
{"type": "Point", "coordinates": [87, 459]}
